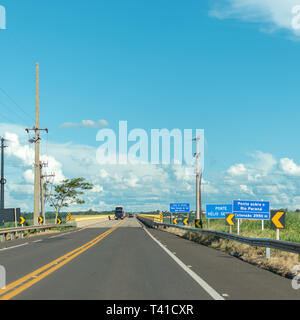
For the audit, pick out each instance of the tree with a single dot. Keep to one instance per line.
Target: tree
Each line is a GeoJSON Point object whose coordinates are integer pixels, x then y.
{"type": "Point", "coordinates": [67, 193]}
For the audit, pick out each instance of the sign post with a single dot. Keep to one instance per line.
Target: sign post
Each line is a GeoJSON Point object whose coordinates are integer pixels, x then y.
{"type": "Point", "coordinates": [15, 212]}
{"type": "Point", "coordinates": [277, 221]}
{"type": "Point", "coordinates": [22, 221]}
{"type": "Point", "coordinates": [230, 220]}
{"type": "Point", "coordinates": [10, 215]}
{"type": "Point", "coordinates": [251, 210]}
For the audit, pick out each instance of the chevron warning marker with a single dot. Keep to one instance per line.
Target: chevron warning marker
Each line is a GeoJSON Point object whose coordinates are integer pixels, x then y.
{"type": "Point", "coordinates": [69, 217]}
{"type": "Point", "coordinates": [278, 219]}
{"type": "Point", "coordinates": [161, 216]}
{"type": "Point", "coordinates": [40, 220]}
{"type": "Point", "coordinates": [230, 219]}
{"type": "Point", "coordinates": [198, 224]}
{"type": "Point", "coordinates": [186, 221]}
{"type": "Point", "coordinates": [22, 220]}
{"type": "Point", "coordinates": [59, 221]}
{"type": "Point", "coordinates": [175, 221]}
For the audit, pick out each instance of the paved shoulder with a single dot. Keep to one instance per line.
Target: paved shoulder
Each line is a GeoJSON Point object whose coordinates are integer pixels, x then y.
{"type": "Point", "coordinates": [230, 276]}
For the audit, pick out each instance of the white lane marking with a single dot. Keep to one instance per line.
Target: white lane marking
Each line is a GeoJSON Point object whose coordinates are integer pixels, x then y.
{"type": "Point", "coordinates": [211, 291]}
{"type": "Point", "coordinates": [81, 229]}
{"type": "Point", "coordinates": [60, 235]}
{"type": "Point", "coordinates": [37, 241]}
{"type": "Point", "coordinates": [20, 245]}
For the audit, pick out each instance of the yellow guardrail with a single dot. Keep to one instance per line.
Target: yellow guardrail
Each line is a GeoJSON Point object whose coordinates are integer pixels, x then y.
{"type": "Point", "coordinates": [85, 218]}
{"type": "Point", "coordinates": [152, 217]}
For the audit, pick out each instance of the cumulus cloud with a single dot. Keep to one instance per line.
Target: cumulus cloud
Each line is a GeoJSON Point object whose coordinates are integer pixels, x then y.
{"type": "Point", "coordinates": [289, 167]}
{"type": "Point", "coordinates": [85, 124]}
{"type": "Point", "coordinates": [143, 187]}
{"type": "Point", "coordinates": [263, 178]}
{"type": "Point", "coordinates": [275, 14]}
{"type": "Point", "coordinates": [237, 170]}
{"type": "Point", "coordinates": [25, 154]}
{"type": "Point", "coordinates": [29, 176]}
{"type": "Point", "coordinates": [97, 189]}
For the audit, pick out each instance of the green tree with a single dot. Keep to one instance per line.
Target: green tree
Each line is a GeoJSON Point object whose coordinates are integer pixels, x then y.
{"type": "Point", "coordinates": [66, 193]}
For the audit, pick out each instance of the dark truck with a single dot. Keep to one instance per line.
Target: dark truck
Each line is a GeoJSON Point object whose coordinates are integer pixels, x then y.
{"type": "Point", "coordinates": [119, 213]}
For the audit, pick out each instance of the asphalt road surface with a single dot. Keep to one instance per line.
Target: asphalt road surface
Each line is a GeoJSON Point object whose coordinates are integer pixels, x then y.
{"type": "Point", "coordinates": [113, 260]}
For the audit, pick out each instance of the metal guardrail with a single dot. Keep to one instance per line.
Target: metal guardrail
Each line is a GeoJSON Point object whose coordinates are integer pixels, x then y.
{"type": "Point", "coordinates": [293, 247]}
{"type": "Point", "coordinates": [20, 230]}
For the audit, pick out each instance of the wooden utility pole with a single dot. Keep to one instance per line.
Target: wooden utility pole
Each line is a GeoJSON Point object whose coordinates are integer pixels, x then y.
{"type": "Point", "coordinates": [36, 140]}
{"type": "Point", "coordinates": [42, 191]}
{"type": "Point", "coordinates": [42, 176]}
{"type": "Point", "coordinates": [36, 212]}
{"type": "Point", "coordinates": [197, 179]}
{"type": "Point", "coordinates": [200, 196]}
{"type": "Point", "coordinates": [198, 183]}
{"type": "Point", "coordinates": [3, 180]}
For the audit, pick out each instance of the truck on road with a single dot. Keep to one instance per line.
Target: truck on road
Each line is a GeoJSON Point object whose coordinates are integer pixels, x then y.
{"type": "Point", "coordinates": [119, 213]}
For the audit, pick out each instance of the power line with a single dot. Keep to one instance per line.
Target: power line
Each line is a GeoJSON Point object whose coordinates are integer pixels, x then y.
{"type": "Point", "coordinates": [8, 119]}
{"type": "Point", "coordinates": [15, 103]}
{"type": "Point", "coordinates": [11, 109]}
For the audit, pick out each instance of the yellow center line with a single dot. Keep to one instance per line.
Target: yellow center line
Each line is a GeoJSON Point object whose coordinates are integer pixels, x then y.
{"type": "Point", "coordinates": [30, 279]}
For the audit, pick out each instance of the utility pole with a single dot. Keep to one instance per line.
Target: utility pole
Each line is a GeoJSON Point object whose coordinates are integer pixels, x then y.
{"type": "Point", "coordinates": [3, 180]}
{"type": "Point", "coordinates": [36, 211]}
{"type": "Point", "coordinates": [36, 129]}
{"type": "Point", "coordinates": [198, 183]}
{"type": "Point", "coordinates": [200, 197]}
{"type": "Point", "coordinates": [42, 176]}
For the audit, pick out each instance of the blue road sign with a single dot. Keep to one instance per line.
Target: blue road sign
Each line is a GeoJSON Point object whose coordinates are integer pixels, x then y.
{"type": "Point", "coordinates": [218, 211]}
{"type": "Point", "coordinates": [179, 207]}
{"type": "Point", "coordinates": [256, 210]}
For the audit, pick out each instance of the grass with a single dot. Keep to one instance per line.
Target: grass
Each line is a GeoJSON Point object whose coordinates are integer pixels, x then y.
{"type": "Point", "coordinates": [253, 228]}
{"type": "Point", "coordinates": [281, 262]}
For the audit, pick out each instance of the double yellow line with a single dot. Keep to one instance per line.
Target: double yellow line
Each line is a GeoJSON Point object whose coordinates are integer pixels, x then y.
{"type": "Point", "coordinates": [18, 286]}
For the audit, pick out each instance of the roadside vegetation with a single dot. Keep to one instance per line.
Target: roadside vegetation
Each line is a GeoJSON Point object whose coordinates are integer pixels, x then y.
{"type": "Point", "coordinates": [280, 262]}
{"type": "Point", "coordinates": [253, 228]}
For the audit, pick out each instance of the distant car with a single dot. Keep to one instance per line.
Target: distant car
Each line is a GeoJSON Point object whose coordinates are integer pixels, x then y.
{"type": "Point", "coordinates": [130, 215]}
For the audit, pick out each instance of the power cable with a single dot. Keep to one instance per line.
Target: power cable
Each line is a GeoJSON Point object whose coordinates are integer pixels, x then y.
{"type": "Point", "coordinates": [15, 103]}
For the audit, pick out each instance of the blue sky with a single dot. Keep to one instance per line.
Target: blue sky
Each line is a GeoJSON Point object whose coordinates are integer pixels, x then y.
{"type": "Point", "coordinates": [222, 66]}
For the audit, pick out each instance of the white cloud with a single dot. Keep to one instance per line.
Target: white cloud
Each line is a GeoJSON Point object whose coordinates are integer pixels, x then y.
{"type": "Point", "coordinates": [276, 14]}
{"type": "Point", "coordinates": [289, 167]}
{"type": "Point", "coordinates": [29, 176]}
{"type": "Point", "coordinates": [97, 189]}
{"type": "Point", "coordinates": [264, 162]}
{"type": "Point", "coordinates": [85, 124]}
{"type": "Point", "coordinates": [145, 186]}
{"type": "Point", "coordinates": [263, 178]}
{"type": "Point", "coordinates": [237, 170]}
{"type": "Point", "coordinates": [244, 188]}
{"type": "Point", "coordinates": [23, 152]}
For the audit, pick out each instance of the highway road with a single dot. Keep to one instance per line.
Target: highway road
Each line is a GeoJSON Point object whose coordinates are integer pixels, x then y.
{"type": "Point", "coordinates": [113, 260]}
